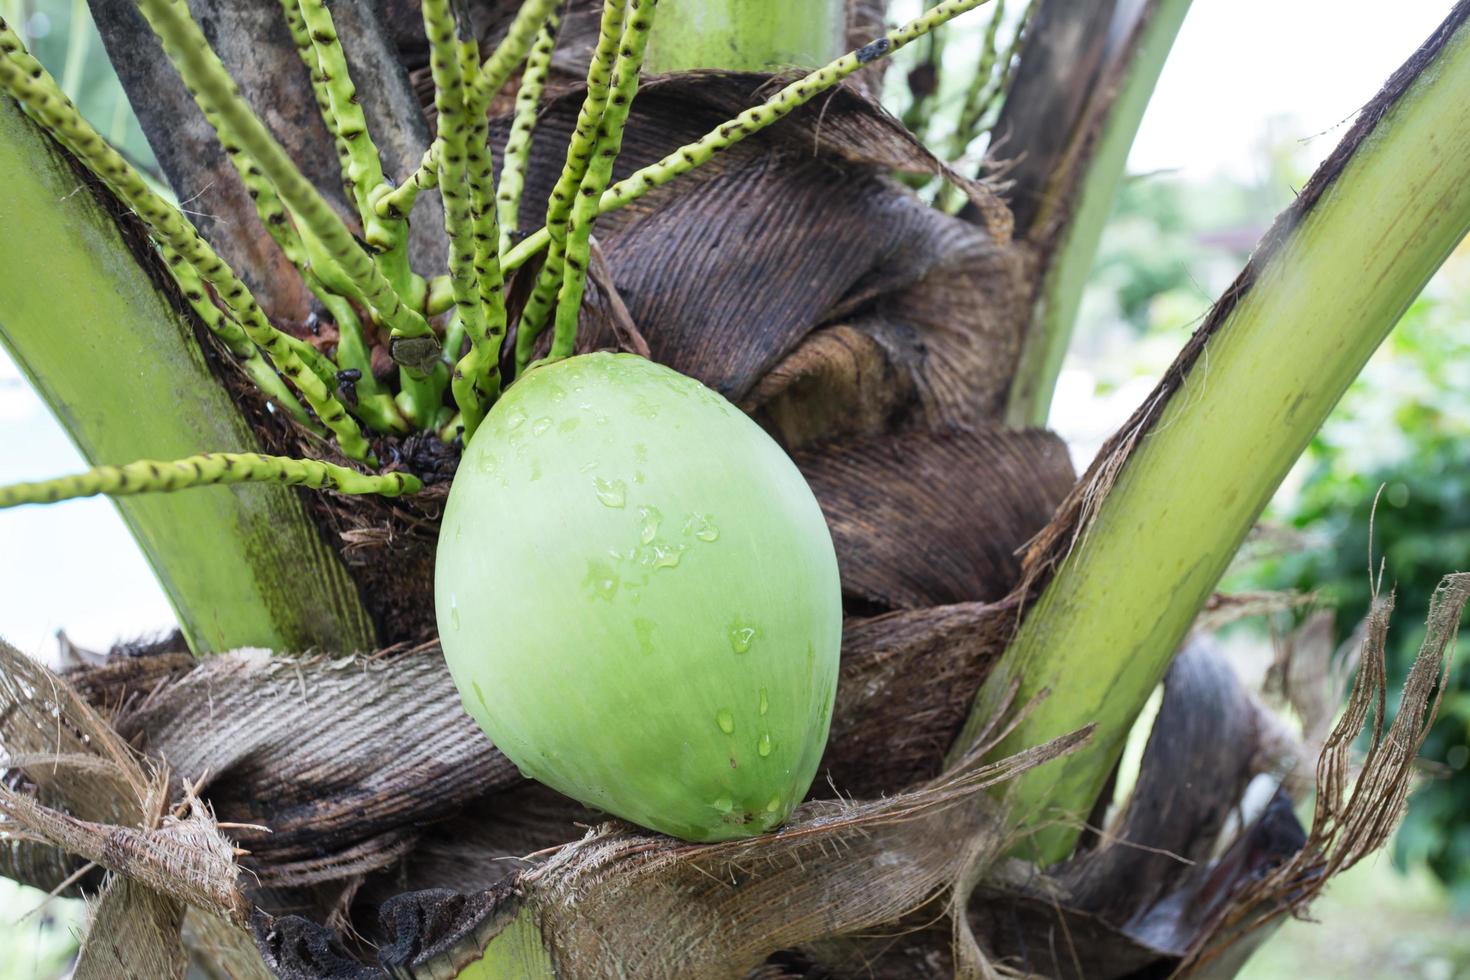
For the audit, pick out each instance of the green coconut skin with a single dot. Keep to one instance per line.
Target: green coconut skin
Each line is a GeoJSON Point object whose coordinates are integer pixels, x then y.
{"type": "Point", "coordinates": [638, 599]}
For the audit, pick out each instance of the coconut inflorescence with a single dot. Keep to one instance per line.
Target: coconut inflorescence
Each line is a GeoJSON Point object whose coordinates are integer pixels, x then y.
{"type": "Point", "coordinates": [638, 598]}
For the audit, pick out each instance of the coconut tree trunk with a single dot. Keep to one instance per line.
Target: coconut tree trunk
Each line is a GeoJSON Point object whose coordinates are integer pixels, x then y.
{"type": "Point", "coordinates": [359, 824]}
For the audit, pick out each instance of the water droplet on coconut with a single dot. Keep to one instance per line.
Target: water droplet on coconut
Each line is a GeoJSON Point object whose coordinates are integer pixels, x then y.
{"type": "Point", "coordinates": [725, 720]}
{"type": "Point", "coordinates": [479, 694]}
{"type": "Point", "coordinates": [540, 426]}
{"type": "Point", "coordinates": [702, 526]}
{"type": "Point", "coordinates": [640, 453]}
{"type": "Point", "coordinates": [588, 466]}
{"type": "Point", "coordinates": [612, 493]}
{"type": "Point", "coordinates": [774, 805]}
{"type": "Point", "coordinates": [742, 635]}
{"type": "Point", "coordinates": [601, 580]}
{"type": "Point", "coordinates": [453, 613]}
{"type": "Point", "coordinates": [516, 420]}
{"type": "Point", "coordinates": [568, 425]}
{"type": "Point", "coordinates": [724, 804]}
{"type": "Point", "coordinates": [558, 393]}
{"type": "Point", "coordinates": [764, 745]}
{"type": "Point", "coordinates": [765, 702]}
{"type": "Point", "coordinates": [667, 555]}
{"type": "Point", "coordinates": [649, 529]}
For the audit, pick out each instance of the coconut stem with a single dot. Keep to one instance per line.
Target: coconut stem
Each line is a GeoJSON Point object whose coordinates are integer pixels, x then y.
{"type": "Point", "coordinates": [579, 154]}
{"type": "Point", "coordinates": [413, 344]}
{"type": "Point", "coordinates": [599, 174]}
{"type": "Point", "coordinates": [522, 129]}
{"type": "Point", "coordinates": [207, 469]}
{"type": "Point", "coordinates": [398, 201]}
{"type": "Point", "coordinates": [749, 122]}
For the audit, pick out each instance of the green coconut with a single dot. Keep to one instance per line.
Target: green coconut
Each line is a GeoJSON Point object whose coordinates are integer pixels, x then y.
{"type": "Point", "coordinates": [638, 599]}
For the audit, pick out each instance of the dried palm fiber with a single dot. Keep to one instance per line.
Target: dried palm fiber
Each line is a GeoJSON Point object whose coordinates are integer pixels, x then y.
{"type": "Point", "coordinates": [347, 759]}
{"type": "Point", "coordinates": [1204, 885]}
{"type": "Point", "coordinates": [73, 788]}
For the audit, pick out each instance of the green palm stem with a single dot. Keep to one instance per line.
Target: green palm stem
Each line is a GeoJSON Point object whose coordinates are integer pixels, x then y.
{"type": "Point", "coordinates": [489, 280]}
{"type": "Point", "coordinates": [599, 174]}
{"type": "Point", "coordinates": [510, 52]}
{"type": "Point", "coordinates": [517, 156]}
{"type": "Point", "coordinates": [77, 41]}
{"type": "Point", "coordinates": [1059, 294]}
{"type": "Point", "coordinates": [388, 237]}
{"type": "Point", "coordinates": [440, 297]}
{"type": "Point", "coordinates": [494, 73]}
{"type": "Point", "coordinates": [559, 207]}
{"type": "Point", "coordinates": [169, 227]}
{"type": "Point", "coordinates": [413, 344]}
{"type": "Point", "coordinates": [119, 363]}
{"type": "Point", "coordinates": [296, 25]}
{"type": "Point", "coordinates": [747, 35]}
{"type": "Point", "coordinates": [450, 91]}
{"type": "Point", "coordinates": [749, 122]}
{"type": "Point", "coordinates": [247, 354]}
{"type": "Point", "coordinates": [398, 201]}
{"type": "Point", "coordinates": [1167, 506]}
{"type": "Point", "coordinates": [207, 469]}
{"type": "Point", "coordinates": [373, 405]}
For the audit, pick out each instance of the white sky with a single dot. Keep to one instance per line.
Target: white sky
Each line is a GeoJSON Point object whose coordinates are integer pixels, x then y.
{"type": "Point", "coordinates": [1307, 64]}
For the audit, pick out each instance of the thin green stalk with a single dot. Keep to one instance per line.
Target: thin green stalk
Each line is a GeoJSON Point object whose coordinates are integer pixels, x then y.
{"type": "Point", "coordinates": [599, 174]}
{"type": "Point", "coordinates": [749, 122]}
{"type": "Point", "coordinates": [522, 128]}
{"type": "Point", "coordinates": [207, 469]}
{"type": "Point", "coordinates": [398, 201]}
{"type": "Point", "coordinates": [254, 366]}
{"type": "Point", "coordinates": [559, 206]}
{"type": "Point", "coordinates": [489, 79]}
{"type": "Point", "coordinates": [483, 362]}
{"type": "Point", "coordinates": [1059, 295]}
{"type": "Point", "coordinates": [40, 92]}
{"type": "Point", "coordinates": [120, 365]}
{"type": "Point", "coordinates": [301, 39]}
{"type": "Point", "coordinates": [509, 53]}
{"type": "Point", "coordinates": [387, 236]}
{"type": "Point", "coordinates": [979, 102]}
{"type": "Point", "coordinates": [1149, 533]}
{"type": "Point", "coordinates": [450, 91]}
{"type": "Point", "coordinates": [413, 343]}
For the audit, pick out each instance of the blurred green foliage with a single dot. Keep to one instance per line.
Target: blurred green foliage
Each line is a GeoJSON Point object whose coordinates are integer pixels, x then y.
{"type": "Point", "coordinates": [62, 35]}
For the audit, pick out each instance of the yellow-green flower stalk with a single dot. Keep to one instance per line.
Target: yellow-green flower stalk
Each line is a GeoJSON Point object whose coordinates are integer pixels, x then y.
{"type": "Point", "coordinates": [388, 236]}
{"type": "Point", "coordinates": [413, 344]}
{"type": "Point", "coordinates": [579, 153]}
{"type": "Point", "coordinates": [171, 228]}
{"type": "Point", "coordinates": [599, 173]}
{"type": "Point", "coordinates": [207, 469]}
{"type": "Point", "coordinates": [522, 128]}
{"type": "Point", "coordinates": [450, 92]}
{"type": "Point", "coordinates": [749, 122]}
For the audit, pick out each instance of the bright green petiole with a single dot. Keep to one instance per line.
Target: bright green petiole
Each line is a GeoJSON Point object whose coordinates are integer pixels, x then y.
{"type": "Point", "coordinates": [207, 469]}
